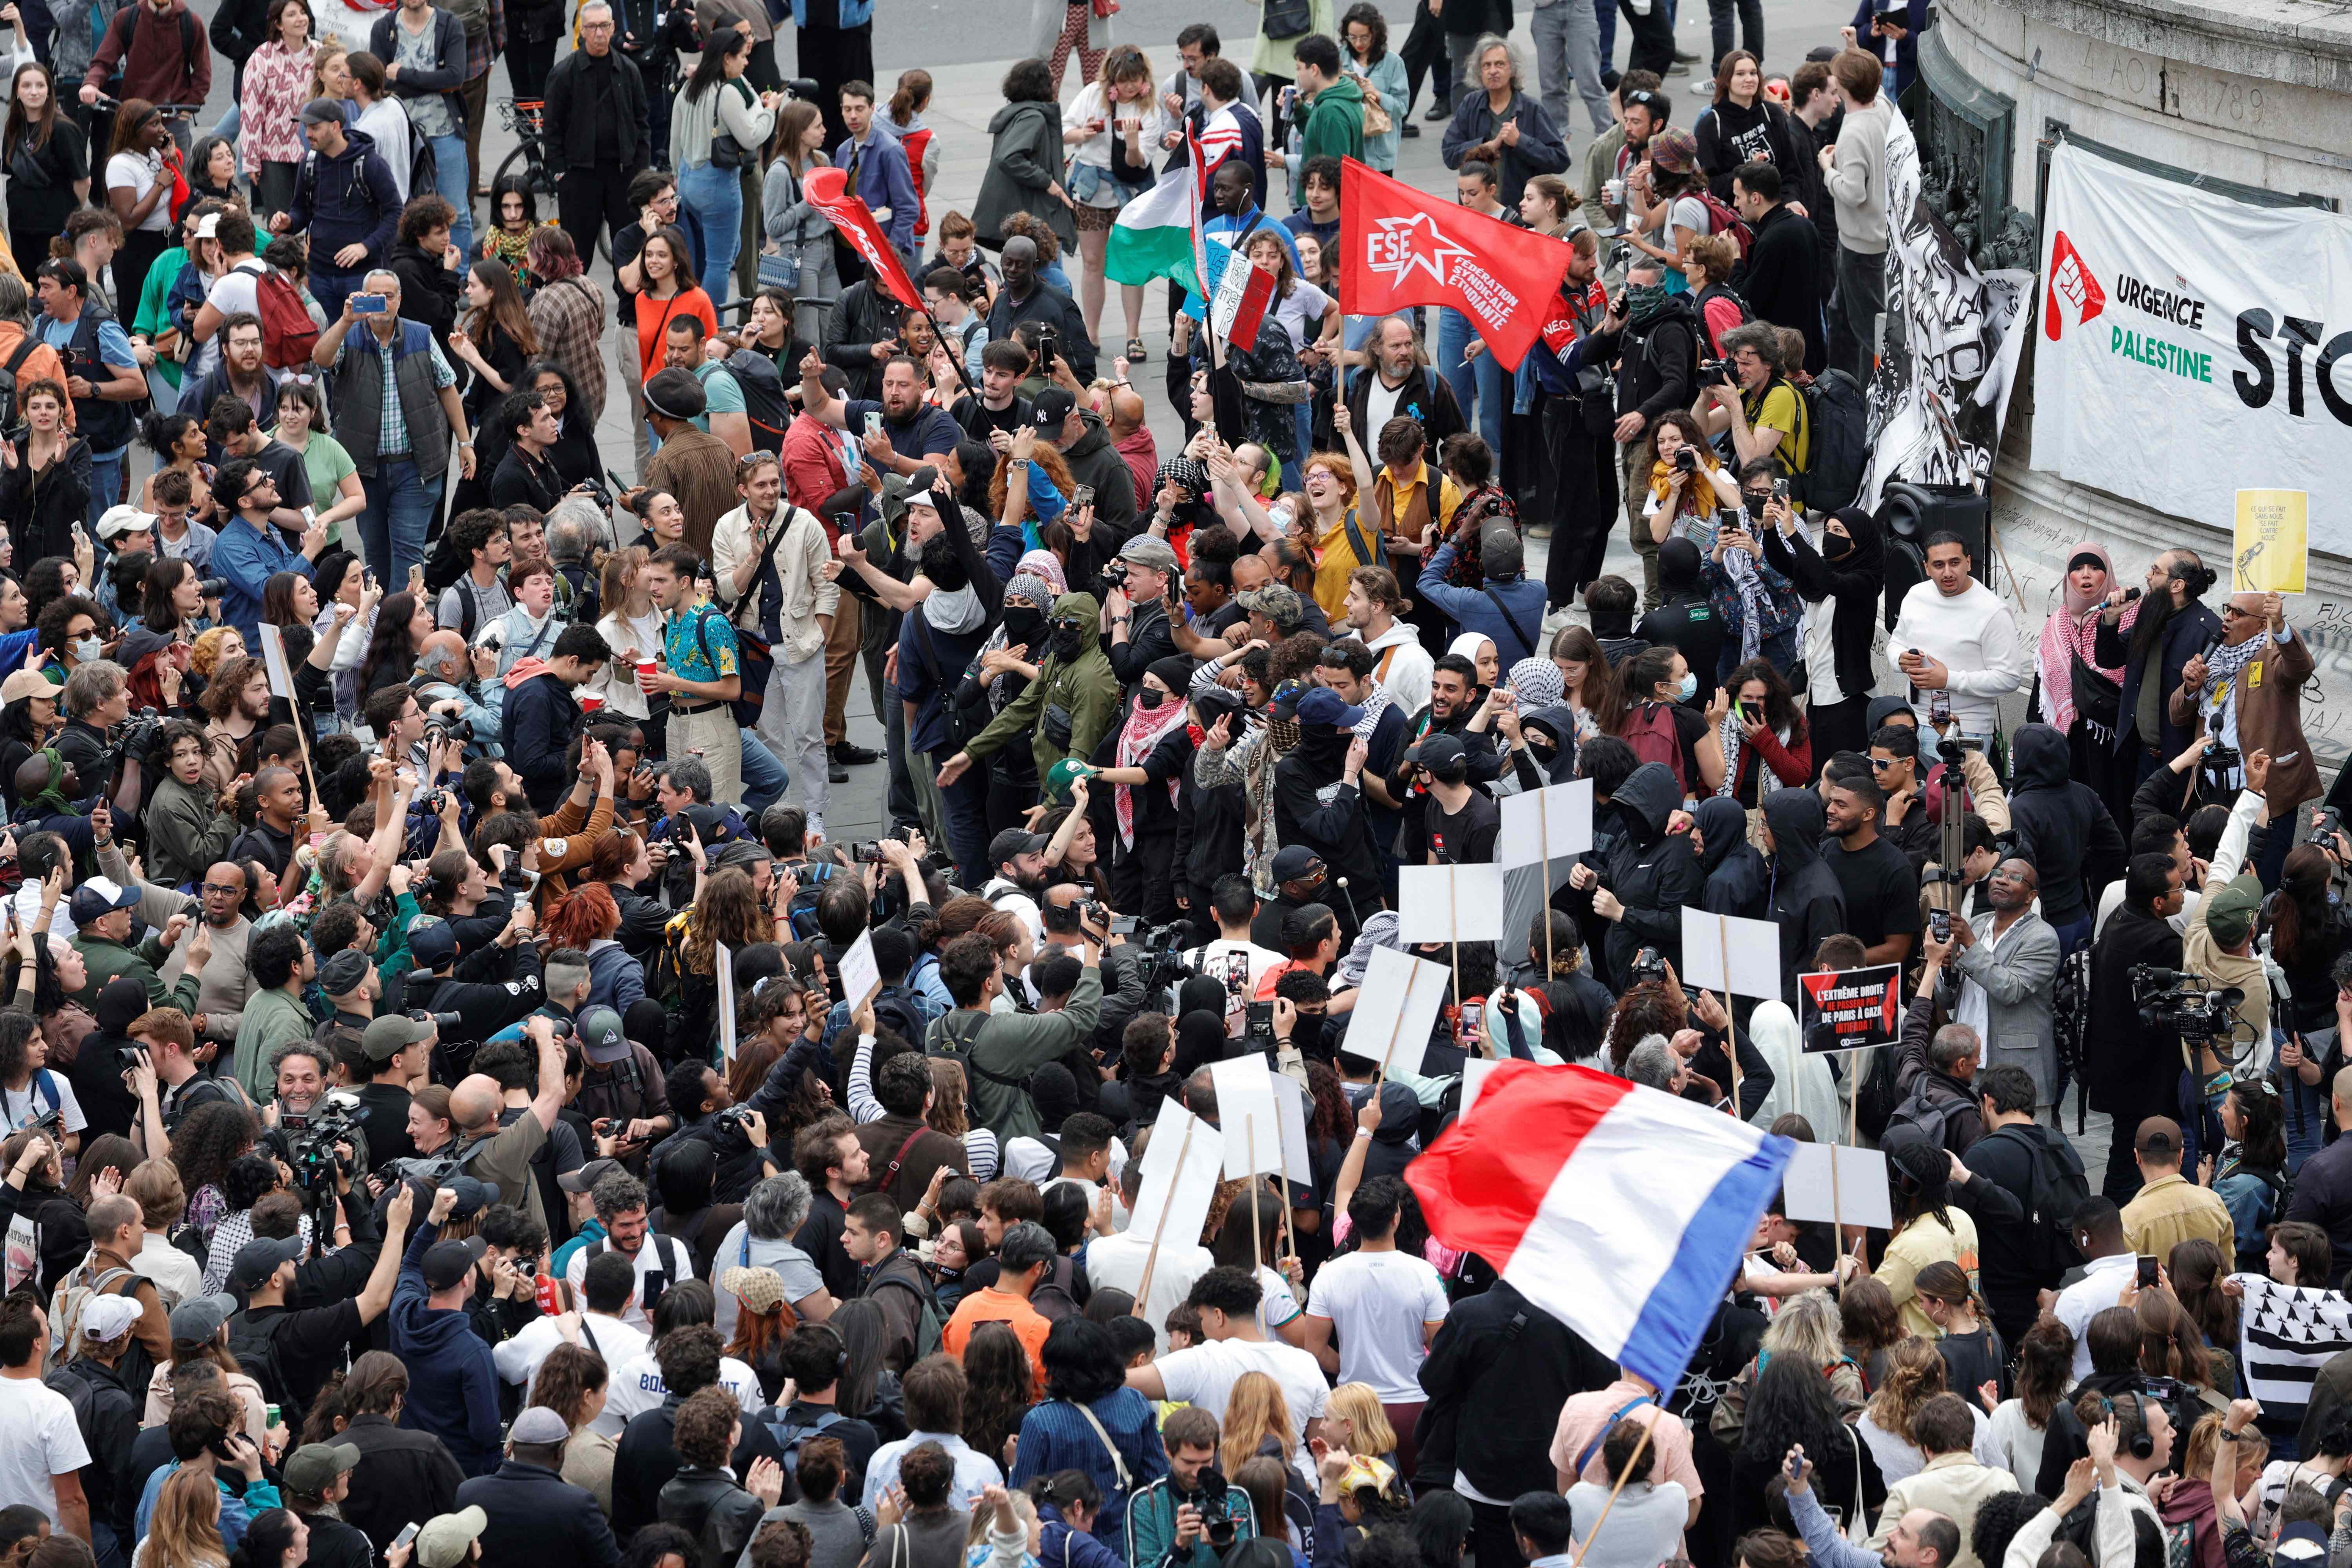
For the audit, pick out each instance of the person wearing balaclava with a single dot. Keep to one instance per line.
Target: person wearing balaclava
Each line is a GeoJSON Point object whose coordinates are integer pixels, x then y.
{"type": "Point", "coordinates": [1847, 571]}
{"type": "Point", "coordinates": [940, 638]}
{"type": "Point", "coordinates": [1066, 711]}
{"type": "Point", "coordinates": [1008, 662]}
{"type": "Point", "coordinates": [1508, 607]}
{"type": "Point", "coordinates": [1310, 813]}
{"type": "Point", "coordinates": [1738, 880]}
{"type": "Point", "coordinates": [1648, 875]}
{"type": "Point", "coordinates": [1807, 902]}
{"type": "Point", "coordinates": [1149, 755]}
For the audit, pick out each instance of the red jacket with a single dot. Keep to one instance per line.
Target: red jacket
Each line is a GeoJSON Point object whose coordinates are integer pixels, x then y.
{"type": "Point", "coordinates": [1143, 456]}
{"type": "Point", "coordinates": [811, 461]}
{"type": "Point", "coordinates": [167, 62]}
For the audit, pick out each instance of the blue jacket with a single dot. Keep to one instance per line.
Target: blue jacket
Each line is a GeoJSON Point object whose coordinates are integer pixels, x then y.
{"type": "Point", "coordinates": [245, 559]}
{"type": "Point", "coordinates": [540, 717]}
{"type": "Point", "coordinates": [1055, 1436]}
{"type": "Point", "coordinates": [1151, 1526]}
{"type": "Point", "coordinates": [883, 178]}
{"type": "Point", "coordinates": [853, 13]}
{"type": "Point", "coordinates": [344, 200]}
{"type": "Point", "coordinates": [236, 1511]}
{"type": "Point", "coordinates": [453, 1391]}
{"type": "Point", "coordinates": [1517, 635]}
{"type": "Point", "coordinates": [1059, 1546]}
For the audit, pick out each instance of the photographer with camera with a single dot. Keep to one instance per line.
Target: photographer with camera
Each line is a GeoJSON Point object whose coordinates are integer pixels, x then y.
{"type": "Point", "coordinates": [306, 1344]}
{"type": "Point", "coordinates": [95, 699]}
{"type": "Point", "coordinates": [398, 1048]}
{"type": "Point", "coordinates": [501, 1155]}
{"type": "Point", "coordinates": [488, 1005]}
{"type": "Point", "coordinates": [2003, 966]}
{"type": "Point", "coordinates": [2131, 1068]}
{"type": "Point", "coordinates": [449, 684]}
{"type": "Point", "coordinates": [167, 1078]}
{"type": "Point", "coordinates": [621, 1091]}
{"type": "Point", "coordinates": [1748, 392]}
{"type": "Point", "coordinates": [2217, 954]}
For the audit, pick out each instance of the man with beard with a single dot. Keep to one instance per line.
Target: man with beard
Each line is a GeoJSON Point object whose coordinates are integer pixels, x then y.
{"type": "Point", "coordinates": [1026, 296]}
{"type": "Point", "coordinates": [1301, 879]}
{"type": "Point", "coordinates": [2151, 639]}
{"type": "Point", "coordinates": [912, 432]}
{"type": "Point", "coordinates": [2130, 1075]}
{"type": "Point", "coordinates": [2004, 964]}
{"type": "Point", "coordinates": [1019, 858]}
{"type": "Point", "coordinates": [2247, 695]}
{"type": "Point", "coordinates": [1337, 830]}
{"type": "Point", "coordinates": [239, 373]}
{"type": "Point", "coordinates": [1402, 387]}
{"type": "Point", "coordinates": [1882, 892]}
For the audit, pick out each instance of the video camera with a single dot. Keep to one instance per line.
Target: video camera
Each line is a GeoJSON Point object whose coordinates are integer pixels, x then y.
{"type": "Point", "coordinates": [311, 1137]}
{"type": "Point", "coordinates": [2173, 999]}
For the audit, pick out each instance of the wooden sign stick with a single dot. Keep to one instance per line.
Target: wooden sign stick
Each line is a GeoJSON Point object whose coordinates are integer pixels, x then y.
{"type": "Point", "coordinates": [1543, 822]}
{"type": "Point", "coordinates": [1151, 1258]}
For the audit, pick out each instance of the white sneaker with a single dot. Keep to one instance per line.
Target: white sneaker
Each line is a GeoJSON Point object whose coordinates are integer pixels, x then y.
{"type": "Point", "coordinates": [815, 828]}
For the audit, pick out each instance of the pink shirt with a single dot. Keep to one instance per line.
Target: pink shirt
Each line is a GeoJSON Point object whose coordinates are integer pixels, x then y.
{"type": "Point", "coordinates": [1585, 1416]}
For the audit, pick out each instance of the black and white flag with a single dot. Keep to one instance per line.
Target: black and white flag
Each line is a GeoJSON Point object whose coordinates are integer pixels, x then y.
{"type": "Point", "coordinates": [2286, 1334]}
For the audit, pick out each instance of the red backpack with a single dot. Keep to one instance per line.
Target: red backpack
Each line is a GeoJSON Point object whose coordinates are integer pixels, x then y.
{"type": "Point", "coordinates": [287, 332]}
{"type": "Point", "coordinates": [1721, 220]}
{"type": "Point", "coordinates": [1650, 730]}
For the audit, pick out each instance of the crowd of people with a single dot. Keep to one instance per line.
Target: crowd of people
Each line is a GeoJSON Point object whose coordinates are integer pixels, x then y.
{"type": "Point", "coordinates": [421, 906]}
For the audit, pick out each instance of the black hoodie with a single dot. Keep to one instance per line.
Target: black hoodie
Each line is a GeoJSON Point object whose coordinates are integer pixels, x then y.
{"type": "Point", "coordinates": [2064, 825]}
{"type": "Point", "coordinates": [1808, 903]}
{"type": "Point", "coordinates": [1339, 831]}
{"type": "Point", "coordinates": [1736, 878]}
{"type": "Point", "coordinates": [1652, 872]}
{"type": "Point", "coordinates": [1853, 581]}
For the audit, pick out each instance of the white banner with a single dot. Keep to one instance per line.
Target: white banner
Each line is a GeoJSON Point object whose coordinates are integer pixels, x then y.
{"type": "Point", "coordinates": [2192, 346]}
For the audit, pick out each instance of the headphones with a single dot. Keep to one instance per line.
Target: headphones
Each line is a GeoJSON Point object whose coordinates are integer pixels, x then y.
{"type": "Point", "coordinates": [2143, 1442]}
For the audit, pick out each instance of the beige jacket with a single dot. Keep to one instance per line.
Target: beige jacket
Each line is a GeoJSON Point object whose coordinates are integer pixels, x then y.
{"type": "Point", "coordinates": [1952, 1485]}
{"type": "Point", "coordinates": [801, 558]}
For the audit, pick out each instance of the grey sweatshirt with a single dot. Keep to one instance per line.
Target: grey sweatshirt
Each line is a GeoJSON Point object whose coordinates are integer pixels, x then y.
{"type": "Point", "coordinates": [1857, 179]}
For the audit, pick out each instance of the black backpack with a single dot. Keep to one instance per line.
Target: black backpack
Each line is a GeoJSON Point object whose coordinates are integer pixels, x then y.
{"type": "Point", "coordinates": [1876, 1096]}
{"type": "Point", "coordinates": [255, 1345]}
{"type": "Point", "coordinates": [8, 379]}
{"type": "Point", "coordinates": [763, 398]}
{"type": "Point", "coordinates": [1929, 1110]}
{"type": "Point", "coordinates": [897, 1009]}
{"type": "Point", "coordinates": [2055, 1188]}
{"type": "Point", "coordinates": [1837, 410]}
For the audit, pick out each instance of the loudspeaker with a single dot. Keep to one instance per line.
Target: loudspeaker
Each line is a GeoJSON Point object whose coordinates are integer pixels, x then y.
{"type": "Point", "coordinates": [1913, 513]}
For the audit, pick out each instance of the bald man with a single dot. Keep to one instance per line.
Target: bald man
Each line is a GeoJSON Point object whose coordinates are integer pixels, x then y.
{"type": "Point", "coordinates": [1121, 407]}
{"type": "Point", "coordinates": [457, 681]}
{"type": "Point", "coordinates": [2248, 694]}
{"type": "Point", "coordinates": [504, 1141]}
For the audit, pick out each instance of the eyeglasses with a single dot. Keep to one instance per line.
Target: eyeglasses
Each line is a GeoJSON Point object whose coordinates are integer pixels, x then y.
{"type": "Point", "coordinates": [220, 888]}
{"type": "Point", "coordinates": [2231, 611]}
{"type": "Point", "coordinates": [1880, 764]}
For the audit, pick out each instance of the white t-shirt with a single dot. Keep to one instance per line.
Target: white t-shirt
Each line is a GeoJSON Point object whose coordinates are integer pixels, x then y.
{"type": "Point", "coordinates": [20, 1109]}
{"type": "Point", "coordinates": [1275, 1304]}
{"type": "Point", "coordinates": [1302, 312]}
{"type": "Point", "coordinates": [665, 1253]}
{"type": "Point", "coordinates": [517, 1359]}
{"type": "Point", "coordinates": [239, 289]}
{"type": "Point", "coordinates": [1116, 1263]}
{"type": "Point", "coordinates": [1379, 1301]}
{"type": "Point", "coordinates": [1238, 966]}
{"type": "Point", "coordinates": [1205, 1375]}
{"type": "Point", "coordinates": [41, 1440]}
{"type": "Point", "coordinates": [138, 171]}
{"type": "Point", "coordinates": [638, 1387]}
{"type": "Point", "coordinates": [1380, 403]}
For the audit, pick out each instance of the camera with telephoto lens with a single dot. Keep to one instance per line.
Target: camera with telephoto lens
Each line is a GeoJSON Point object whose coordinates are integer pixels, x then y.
{"type": "Point", "coordinates": [1216, 1524]}
{"type": "Point", "coordinates": [1714, 373]}
{"type": "Point", "coordinates": [431, 802]}
{"type": "Point", "coordinates": [439, 726]}
{"type": "Point", "coordinates": [438, 1020]}
{"type": "Point", "coordinates": [1649, 964]}
{"type": "Point", "coordinates": [1686, 459]}
{"type": "Point", "coordinates": [432, 1170]}
{"type": "Point", "coordinates": [2174, 999]}
{"type": "Point", "coordinates": [212, 587]}
{"type": "Point", "coordinates": [732, 1123]}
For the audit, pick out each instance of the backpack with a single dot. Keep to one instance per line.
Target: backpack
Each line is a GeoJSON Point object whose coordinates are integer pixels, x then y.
{"type": "Point", "coordinates": [8, 379]}
{"type": "Point", "coordinates": [2055, 1188]}
{"type": "Point", "coordinates": [1650, 730]}
{"type": "Point", "coordinates": [763, 398]}
{"type": "Point", "coordinates": [1721, 220]}
{"type": "Point", "coordinates": [1877, 1096]}
{"type": "Point", "coordinates": [191, 48]}
{"type": "Point", "coordinates": [255, 1345]}
{"type": "Point", "coordinates": [801, 910]}
{"type": "Point", "coordinates": [790, 1435]}
{"type": "Point", "coordinates": [1930, 1111]}
{"type": "Point", "coordinates": [1054, 1298]}
{"type": "Point", "coordinates": [287, 333]}
{"type": "Point", "coordinates": [901, 1010]}
{"type": "Point", "coordinates": [1838, 415]}
{"type": "Point", "coordinates": [474, 15]}
{"type": "Point", "coordinates": [73, 1296]}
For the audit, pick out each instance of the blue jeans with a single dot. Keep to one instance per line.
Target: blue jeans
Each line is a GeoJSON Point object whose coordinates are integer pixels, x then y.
{"type": "Point", "coordinates": [105, 484]}
{"type": "Point", "coordinates": [455, 181]}
{"type": "Point", "coordinates": [1479, 382]}
{"type": "Point", "coordinates": [710, 205]}
{"type": "Point", "coordinates": [331, 288]}
{"type": "Point", "coordinates": [400, 507]}
{"type": "Point", "coordinates": [967, 809]}
{"type": "Point", "coordinates": [230, 122]}
{"type": "Point", "coordinates": [763, 776]}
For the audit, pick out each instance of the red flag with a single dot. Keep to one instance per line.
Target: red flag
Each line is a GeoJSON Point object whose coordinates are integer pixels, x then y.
{"type": "Point", "coordinates": [826, 190]}
{"type": "Point", "coordinates": [1398, 247]}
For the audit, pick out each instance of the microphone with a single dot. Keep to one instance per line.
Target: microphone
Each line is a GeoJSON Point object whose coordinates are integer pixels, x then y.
{"type": "Point", "coordinates": [1352, 916]}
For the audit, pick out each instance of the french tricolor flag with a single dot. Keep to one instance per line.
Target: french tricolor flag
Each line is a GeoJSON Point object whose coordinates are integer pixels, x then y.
{"type": "Point", "coordinates": [1620, 1210]}
{"type": "Point", "coordinates": [1239, 295]}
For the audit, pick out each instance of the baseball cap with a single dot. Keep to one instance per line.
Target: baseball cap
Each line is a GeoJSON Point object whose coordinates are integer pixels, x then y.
{"type": "Point", "coordinates": [1321, 705]}
{"type": "Point", "coordinates": [446, 1262]}
{"type": "Point", "coordinates": [539, 1425]}
{"type": "Point", "coordinates": [448, 1540]}
{"type": "Point", "coordinates": [601, 1037]}
{"type": "Point", "coordinates": [1276, 602]}
{"type": "Point", "coordinates": [108, 1318]}
{"type": "Point", "coordinates": [2228, 913]}
{"type": "Point", "coordinates": [1051, 410]}
{"type": "Point", "coordinates": [585, 1178]}
{"type": "Point", "coordinates": [1442, 755]}
{"type": "Point", "coordinates": [761, 1290]}
{"type": "Point", "coordinates": [1294, 863]}
{"type": "Point", "coordinates": [199, 1318]}
{"type": "Point", "coordinates": [432, 942]}
{"type": "Point", "coordinates": [344, 973]}
{"type": "Point", "coordinates": [2158, 1139]}
{"type": "Point", "coordinates": [386, 1037]}
{"type": "Point", "coordinates": [258, 1259]}
{"type": "Point", "coordinates": [117, 520]}
{"type": "Point", "coordinates": [311, 1469]}
{"type": "Point", "coordinates": [322, 111]}
{"type": "Point", "coordinates": [1061, 776]}
{"type": "Point", "coordinates": [1150, 550]}
{"type": "Point", "coordinates": [743, 852]}
{"type": "Point", "coordinates": [100, 897]}
{"type": "Point", "coordinates": [473, 1196]}
{"type": "Point", "coordinates": [2301, 1542]}
{"type": "Point", "coordinates": [1014, 841]}
{"type": "Point", "coordinates": [26, 683]}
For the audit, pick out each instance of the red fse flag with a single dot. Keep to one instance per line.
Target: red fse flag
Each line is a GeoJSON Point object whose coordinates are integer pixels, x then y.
{"type": "Point", "coordinates": [1398, 247]}
{"type": "Point", "coordinates": [827, 191]}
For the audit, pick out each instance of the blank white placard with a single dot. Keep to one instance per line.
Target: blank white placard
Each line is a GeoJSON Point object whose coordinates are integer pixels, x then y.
{"type": "Point", "coordinates": [722, 965]}
{"type": "Point", "coordinates": [1396, 1007]}
{"type": "Point", "coordinates": [1860, 1196]}
{"type": "Point", "coordinates": [1731, 956]}
{"type": "Point", "coordinates": [1247, 1115]}
{"type": "Point", "coordinates": [1290, 1106]}
{"type": "Point", "coordinates": [1560, 816]}
{"type": "Point", "coordinates": [1450, 903]}
{"type": "Point", "coordinates": [1184, 1194]}
{"type": "Point", "coordinates": [273, 658]}
{"type": "Point", "coordinates": [861, 977]}
{"type": "Point", "coordinates": [1473, 1079]}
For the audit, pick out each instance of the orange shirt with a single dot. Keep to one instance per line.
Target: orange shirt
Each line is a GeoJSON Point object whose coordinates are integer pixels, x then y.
{"type": "Point", "coordinates": [989, 1305]}
{"type": "Point", "coordinates": [654, 318]}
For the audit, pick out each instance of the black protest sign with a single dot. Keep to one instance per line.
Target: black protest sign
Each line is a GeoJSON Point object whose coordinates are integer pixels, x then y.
{"type": "Point", "coordinates": [1846, 1009]}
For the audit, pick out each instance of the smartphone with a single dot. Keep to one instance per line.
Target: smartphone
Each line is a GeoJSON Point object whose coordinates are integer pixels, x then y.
{"type": "Point", "coordinates": [1473, 1014]}
{"type": "Point", "coordinates": [2146, 1272]}
{"type": "Point", "coordinates": [1123, 925]}
{"type": "Point", "coordinates": [407, 1535]}
{"type": "Point", "coordinates": [1257, 1019]}
{"type": "Point", "coordinates": [310, 515]}
{"type": "Point", "coordinates": [1083, 495]}
{"type": "Point", "coordinates": [1781, 491]}
{"type": "Point", "coordinates": [1796, 1466]}
{"type": "Point", "coordinates": [1940, 922]}
{"type": "Point", "coordinates": [1752, 712]}
{"type": "Point", "coordinates": [845, 523]}
{"type": "Point", "coordinates": [367, 304]}
{"type": "Point", "coordinates": [873, 424]}
{"type": "Point", "coordinates": [1939, 708]}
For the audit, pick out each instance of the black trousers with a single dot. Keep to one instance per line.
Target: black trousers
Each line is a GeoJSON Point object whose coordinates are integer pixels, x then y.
{"type": "Point", "coordinates": [1580, 465]}
{"type": "Point", "coordinates": [588, 200]}
{"type": "Point", "coordinates": [1751, 16]}
{"type": "Point", "coordinates": [528, 61]}
{"type": "Point", "coordinates": [1653, 47]}
{"type": "Point", "coordinates": [1838, 727]}
{"type": "Point", "coordinates": [830, 56]}
{"type": "Point", "coordinates": [1423, 52]}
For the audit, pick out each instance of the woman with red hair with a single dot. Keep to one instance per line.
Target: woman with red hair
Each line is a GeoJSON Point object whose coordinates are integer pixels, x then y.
{"type": "Point", "coordinates": [587, 919]}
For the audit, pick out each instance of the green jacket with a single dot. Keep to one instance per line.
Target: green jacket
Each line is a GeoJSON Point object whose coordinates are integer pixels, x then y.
{"type": "Point", "coordinates": [1335, 121]}
{"type": "Point", "coordinates": [1087, 687]}
{"type": "Point", "coordinates": [996, 1046]}
{"type": "Point", "coordinates": [271, 1019]}
{"type": "Point", "coordinates": [187, 832]}
{"type": "Point", "coordinates": [109, 960]}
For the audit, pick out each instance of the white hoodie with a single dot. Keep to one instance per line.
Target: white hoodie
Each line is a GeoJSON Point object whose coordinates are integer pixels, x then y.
{"type": "Point", "coordinates": [1974, 636]}
{"type": "Point", "coordinates": [1408, 669]}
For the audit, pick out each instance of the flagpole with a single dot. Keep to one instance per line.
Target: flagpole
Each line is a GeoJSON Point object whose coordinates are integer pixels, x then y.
{"type": "Point", "coordinates": [1151, 1258]}
{"type": "Point", "coordinates": [1623, 1476]}
{"type": "Point", "coordinates": [1249, 1142]}
{"type": "Point", "coordinates": [1543, 824]}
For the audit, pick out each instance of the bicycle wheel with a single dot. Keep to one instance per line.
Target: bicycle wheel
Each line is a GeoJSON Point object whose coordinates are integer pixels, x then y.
{"type": "Point", "coordinates": [515, 163]}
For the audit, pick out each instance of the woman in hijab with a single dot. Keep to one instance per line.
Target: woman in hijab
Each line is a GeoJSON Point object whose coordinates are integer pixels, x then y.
{"type": "Point", "coordinates": [2073, 693]}
{"type": "Point", "coordinates": [1801, 1081]}
{"type": "Point", "coordinates": [1848, 572]}
{"type": "Point", "coordinates": [1479, 649]}
{"type": "Point", "coordinates": [1199, 1035]}
{"type": "Point", "coordinates": [1737, 880]}
{"type": "Point", "coordinates": [1151, 753]}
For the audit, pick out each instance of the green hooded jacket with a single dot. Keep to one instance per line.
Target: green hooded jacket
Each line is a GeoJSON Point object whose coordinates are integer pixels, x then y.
{"type": "Point", "coordinates": [1335, 121]}
{"type": "Point", "coordinates": [1086, 686]}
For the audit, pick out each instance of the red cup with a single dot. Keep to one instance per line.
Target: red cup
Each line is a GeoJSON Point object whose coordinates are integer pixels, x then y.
{"type": "Point", "coordinates": [645, 673]}
{"type": "Point", "coordinates": [590, 704]}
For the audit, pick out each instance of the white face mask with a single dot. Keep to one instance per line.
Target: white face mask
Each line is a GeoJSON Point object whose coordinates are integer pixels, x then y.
{"type": "Point", "coordinates": [87, 649]}
{"type": "Point", "coordinates": [958, 610]}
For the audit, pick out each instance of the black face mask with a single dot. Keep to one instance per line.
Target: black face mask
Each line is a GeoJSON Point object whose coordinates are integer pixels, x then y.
{"type": "Point", "coordinates": [1148, 698]}
{"type": "Point", "coordinates": [1540, 753]}
{"type": "Point", "coordinates": [1307, 1033]}
{"type": "Point", "coordinates": [1021, 624]}
{"type": "Point", "coordinates": [1836, 545]}
{"type": "Point", "coordinates": [1069, 641]}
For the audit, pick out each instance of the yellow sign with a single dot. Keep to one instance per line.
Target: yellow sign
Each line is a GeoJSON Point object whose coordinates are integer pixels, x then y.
{"type": "Point", "coordinates": [2271, 549]}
